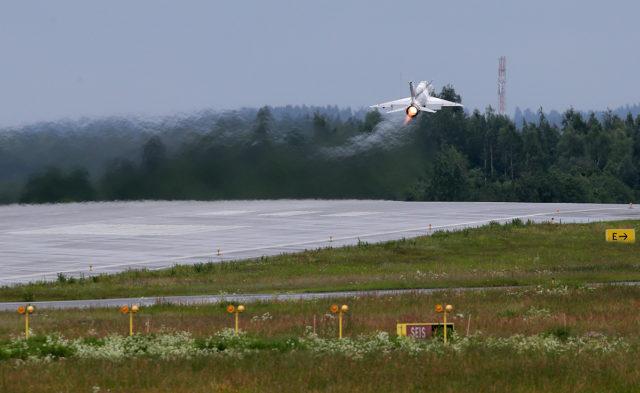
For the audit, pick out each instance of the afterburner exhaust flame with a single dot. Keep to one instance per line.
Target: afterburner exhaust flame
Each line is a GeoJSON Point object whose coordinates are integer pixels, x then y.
{"type": "Point", "coordinates": [412, 111]}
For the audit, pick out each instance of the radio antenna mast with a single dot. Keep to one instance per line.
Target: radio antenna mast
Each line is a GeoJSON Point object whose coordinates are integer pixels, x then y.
{"type": "Point", "coordinates": [502, 81]}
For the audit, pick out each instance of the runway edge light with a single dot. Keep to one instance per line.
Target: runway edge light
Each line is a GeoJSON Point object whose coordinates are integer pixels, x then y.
{"type": "Point", "coordinates": [237, 310]}
{"type": "Point", "coordinates": [340, 310]}
{"type": "Point", "coordinates": [26, 311]}
{"type": "Point", "coordinates": [447, 308]}
{"type": "Point", "coordinates": [130, 310]}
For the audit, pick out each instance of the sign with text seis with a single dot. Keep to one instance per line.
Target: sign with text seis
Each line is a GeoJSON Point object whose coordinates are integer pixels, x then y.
{"type": "Point", "coordinates": [420, 330]}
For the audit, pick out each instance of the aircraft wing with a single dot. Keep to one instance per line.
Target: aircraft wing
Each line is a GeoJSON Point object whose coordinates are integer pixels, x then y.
{"type": "Point", "coordinates": [403, 102]}
{"type": "Point", "coordinates": [440, 102]}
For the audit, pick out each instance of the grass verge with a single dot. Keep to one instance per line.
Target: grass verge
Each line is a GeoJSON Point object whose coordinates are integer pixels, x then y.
{"type": "Point", "coordinates": [547, 338]}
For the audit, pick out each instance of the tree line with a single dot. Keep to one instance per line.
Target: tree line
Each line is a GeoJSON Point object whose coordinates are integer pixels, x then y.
{"type": "Point", "coordinates": [446, 156]}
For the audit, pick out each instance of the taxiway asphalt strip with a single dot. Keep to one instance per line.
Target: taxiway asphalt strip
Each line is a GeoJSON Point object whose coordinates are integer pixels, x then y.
{"type": "Point", "coordinates": [214, 299]}
{"type": "Point", "coordinates": [252, 297]}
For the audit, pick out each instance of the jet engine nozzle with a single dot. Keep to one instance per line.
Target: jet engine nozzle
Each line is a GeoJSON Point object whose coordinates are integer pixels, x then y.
{"type": "Point", "coordinates": [412, 111]}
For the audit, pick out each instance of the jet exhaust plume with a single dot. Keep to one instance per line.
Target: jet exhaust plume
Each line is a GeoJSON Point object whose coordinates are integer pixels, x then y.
{"type": "Point", "coordinates": [387, 134]}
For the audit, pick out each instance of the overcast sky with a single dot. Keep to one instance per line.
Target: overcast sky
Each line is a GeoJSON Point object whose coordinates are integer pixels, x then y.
{"type": "Point", "coordinates": [68, 59]}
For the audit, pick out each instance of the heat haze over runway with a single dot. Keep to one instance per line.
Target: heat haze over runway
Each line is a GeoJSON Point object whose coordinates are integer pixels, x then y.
{"type": "Point", "coordinates": [39, 241]}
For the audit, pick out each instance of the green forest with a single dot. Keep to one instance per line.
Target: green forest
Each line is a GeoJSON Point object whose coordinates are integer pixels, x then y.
{"type": "Point", "coordinates": [450, 155]}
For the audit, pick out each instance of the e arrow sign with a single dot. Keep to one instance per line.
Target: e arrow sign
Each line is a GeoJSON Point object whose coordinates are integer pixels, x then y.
{"type": "Point", "coordinates": [621, 235]}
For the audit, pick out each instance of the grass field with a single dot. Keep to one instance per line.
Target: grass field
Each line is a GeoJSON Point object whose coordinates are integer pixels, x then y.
{"type": "Point", "coordinates": [296, 372]}
{"type": "Point", "coordinates": [550, 316]}
{"type": "Point", "coordinates": [493, 255]}
{"type": "Point", "coordinates": [562, 337]}
{"type": "Point", "coordinates": [610, 310]}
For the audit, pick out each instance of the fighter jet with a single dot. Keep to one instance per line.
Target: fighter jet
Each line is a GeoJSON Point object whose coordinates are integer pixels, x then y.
{"type": "Point", "coordinates": [421, 100]}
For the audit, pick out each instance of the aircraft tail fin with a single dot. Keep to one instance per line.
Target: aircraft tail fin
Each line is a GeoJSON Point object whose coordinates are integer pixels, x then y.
{"type": "Point", "coordinates": [413, 92]}
{"type": "Point", "coordinates": [430, 88]}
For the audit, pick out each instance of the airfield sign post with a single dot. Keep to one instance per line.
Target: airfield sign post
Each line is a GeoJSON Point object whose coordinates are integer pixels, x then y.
{"type": "Point", "coordinates": [420, 330]}
{"type": "Point", "coordinates": [620, 235]}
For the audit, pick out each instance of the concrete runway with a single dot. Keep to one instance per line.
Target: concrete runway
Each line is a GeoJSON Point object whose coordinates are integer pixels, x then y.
{"type": "Point", "coordinates": [39, 241]}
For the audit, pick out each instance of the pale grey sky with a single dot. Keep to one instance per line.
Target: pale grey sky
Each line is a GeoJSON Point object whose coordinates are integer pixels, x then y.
{"type": "Point", "coordinates": [68, 59]}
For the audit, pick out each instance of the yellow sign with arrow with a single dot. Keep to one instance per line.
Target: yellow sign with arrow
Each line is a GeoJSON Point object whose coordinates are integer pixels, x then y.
{"type": "Point", "coordinates": [621, 235]}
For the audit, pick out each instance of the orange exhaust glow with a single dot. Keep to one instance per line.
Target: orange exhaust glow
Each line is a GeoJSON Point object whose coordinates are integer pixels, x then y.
{"type": "Point", "coordinates": [412, 111]}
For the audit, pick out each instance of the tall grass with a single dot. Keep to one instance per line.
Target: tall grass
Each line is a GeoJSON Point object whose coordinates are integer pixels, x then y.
{"type": "Point", "coordinates": [478, 371]}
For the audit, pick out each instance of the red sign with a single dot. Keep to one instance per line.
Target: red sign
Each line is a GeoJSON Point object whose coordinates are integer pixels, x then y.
{"type": "Point", "coordinates": [419, 331]}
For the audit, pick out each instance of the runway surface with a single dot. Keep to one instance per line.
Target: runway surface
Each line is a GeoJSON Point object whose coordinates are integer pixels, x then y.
{"type": "Point", "coordinates": [39, 241]}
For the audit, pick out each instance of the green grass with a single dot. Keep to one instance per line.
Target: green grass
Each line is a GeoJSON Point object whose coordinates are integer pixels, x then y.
{"type": "Point", "coordinates": [493, 255]}
{"type": "Point", "coordinates": [297, 372]}
{"type": "Point", "coordinates": [611, 310]}
{"type": "Point", "coordinates": [274, 366]}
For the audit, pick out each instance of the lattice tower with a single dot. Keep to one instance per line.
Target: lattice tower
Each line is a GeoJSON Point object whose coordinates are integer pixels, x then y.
{"type": "Point", "coordinates": [502, 81]}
